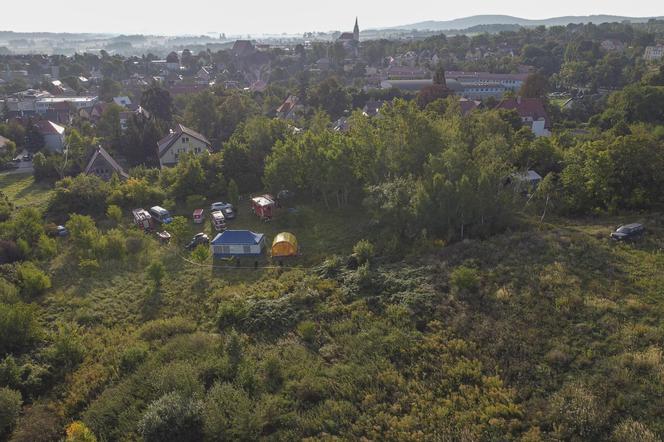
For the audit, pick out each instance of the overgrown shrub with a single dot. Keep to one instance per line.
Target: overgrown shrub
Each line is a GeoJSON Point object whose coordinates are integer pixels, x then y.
{"type": "Point", "coordinates": [10, 407]}
{"type": "Point", "coordinates": [114, 213]}
{"type": "Point", "coordinates": [32, 280]}
{"type": "Point", "coordinates": [88, 267]}
{"type": "Point", "coordinates": [172, 418]}
{"type": "Point", "coordinates": [465, 282]}
{"type": "Point", "coordinates": [229, 414]}
{"type": "Point", "coordinates": [166, 328]}
{"type": "Point", "coordinates": [363, 251]}
{"type": "Point", "coordinates": [132, 357]}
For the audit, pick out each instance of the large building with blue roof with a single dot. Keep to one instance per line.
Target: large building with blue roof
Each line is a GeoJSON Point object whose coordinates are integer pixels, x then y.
{"type": "Point", "coordinates": [232, 243]}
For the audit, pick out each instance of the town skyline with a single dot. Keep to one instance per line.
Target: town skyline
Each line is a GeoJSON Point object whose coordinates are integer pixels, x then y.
{"type": "Point", "coordinates": [290, 17]}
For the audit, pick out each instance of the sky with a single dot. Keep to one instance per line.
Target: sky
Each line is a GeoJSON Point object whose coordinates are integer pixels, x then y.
{"type": "Point", "coordinates": [197, 17]}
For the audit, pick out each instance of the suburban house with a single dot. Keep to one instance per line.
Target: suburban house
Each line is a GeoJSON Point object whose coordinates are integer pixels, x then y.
{"type": "Point", "coordinates": [181, 141]}
{"type": "Point", "coordinates": [104, 166]}
{"type": "Point", "coordinates": [532, 113]}
{"type": "Point", "coordinates": [237, 243]}
{"type": "Point", "coordinates": [53, 134]}
{"type": "Point", "coordinates": [289, 108]}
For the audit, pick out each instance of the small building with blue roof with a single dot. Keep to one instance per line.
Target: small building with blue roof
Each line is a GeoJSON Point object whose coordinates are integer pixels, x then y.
{"type": "Point", "coordinates": [232, 243]}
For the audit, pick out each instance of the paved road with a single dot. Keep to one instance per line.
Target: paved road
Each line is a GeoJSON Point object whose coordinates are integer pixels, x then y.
{"type": "Point", "coordinates": [23, 167]}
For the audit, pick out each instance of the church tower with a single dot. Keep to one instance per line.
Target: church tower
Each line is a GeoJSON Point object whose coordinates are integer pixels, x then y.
{"type": "Point", "coordinates": [356, 31]}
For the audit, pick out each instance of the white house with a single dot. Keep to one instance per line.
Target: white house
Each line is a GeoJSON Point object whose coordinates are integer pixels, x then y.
{"type": "Point", "coordinates": [53, 134]}
{"type": "Point", "coordinates": [181, 141]}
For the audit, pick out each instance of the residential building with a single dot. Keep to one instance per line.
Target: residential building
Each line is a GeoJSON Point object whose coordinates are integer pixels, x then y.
{"type": "Point", "coordinates": [181, 141]}
{"type": "Point", "coordinates": [532, 113]}
{"type": "Point", "coordinates": [53, 134]}
{"type": "Point", "coordinates": [103, 165]}
{"type": "Point", "coordinates": [654, 53]}
{"type": "Point", "coordinates": [511, 82]}
{"type": "Point", "coordinates": [290, 108]}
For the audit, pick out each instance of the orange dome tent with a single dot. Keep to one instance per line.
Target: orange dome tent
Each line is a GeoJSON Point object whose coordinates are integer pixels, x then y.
{"type": "Point", "coordinates": [284, 244]}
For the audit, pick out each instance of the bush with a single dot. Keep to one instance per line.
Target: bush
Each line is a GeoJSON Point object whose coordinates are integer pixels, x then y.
{"type": "Point", "coordinates": [10, 407]}
{"type": "Point", "coordinates": [39, 423]}
{"type": "Point", "coordinates": [363, 251]}
{"type": "Point", "coordinates": [10, 252]}
{"type": "Point", "coordinates": [201, 253]}
{"type": "Point", "coordinates": [133, 357]}
{"type": "Point", "coordinates": [114, 245]}
{"type": "Point", "coordinates": [229, 414]}
{"type": "Point", "coordinates": [577, 413]}
{"type": "Point", "coordinates": [135, 243]}
{"type": "Point", "coordinates": [78, 432]}
{"type": "Point", "coordinates": [465, 282]}
{"type": "Point", "coordinates": [8, 292]}
{"type": "Point", "coordinates": [172, 418]}
{"type": "Point", "coordinates": [166, 328]}
{"type": "Point", "coordinates": [67, 350]}
{"type": "Point", "coordinates": [46, 247]}
{"type": "Point", "coordinates": [114, 213]}
{"type": "Point", "coordinates": [633, 431]}
{"type": "Point", "coordinates": [307, 331]}
{"type": "Point", "coordinates": [88, 267]}
{"type": "Point", "coordinates": [33, 281]}
{"type": "Point", "coordinates": [156, 273]}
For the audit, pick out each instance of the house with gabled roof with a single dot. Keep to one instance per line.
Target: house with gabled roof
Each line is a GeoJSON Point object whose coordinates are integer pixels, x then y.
{"type": "Point", "coordinates": [53, 134]}
{"type": "Point", "coordinates": [290, 108]}
{"type": "Point", "coordinates": [181, 141]}
{"type": "Point", "coordinates": [103, 165]}
{"type": "Point", "coordinates": [532, 113]}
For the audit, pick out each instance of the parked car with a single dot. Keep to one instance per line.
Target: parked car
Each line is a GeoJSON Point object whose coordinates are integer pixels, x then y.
{"type": "Point", "coordinates": [60, 231]}
{"type": "Point", "coordinates": [628, 231]}
{"type": "Point", "coordinates": [160, 215]}
{"type": "Point", "coordinates": [27, 157]}
{"type": "Point", "coordinates": [226, 208]}
{"type": "Point", "coordinates": [198, 239]}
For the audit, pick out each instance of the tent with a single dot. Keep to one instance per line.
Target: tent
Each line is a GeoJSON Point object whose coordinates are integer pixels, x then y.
{"type": "Point", "coordinates": [284, 244]}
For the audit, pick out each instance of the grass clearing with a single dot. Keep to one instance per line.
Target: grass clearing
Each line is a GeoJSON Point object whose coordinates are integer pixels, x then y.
{"type": "Point", "coordinates": [22, 190]}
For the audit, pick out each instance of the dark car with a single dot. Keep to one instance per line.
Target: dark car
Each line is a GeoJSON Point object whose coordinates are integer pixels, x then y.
{"type": "Point", "coordinates": [628, 231]}
{"type": "Point", "coordinates": [198, 239]}
{"type": "Point", "coordinates": [226, 208]}
{"type": "Point", "coordinates": [27, 157]}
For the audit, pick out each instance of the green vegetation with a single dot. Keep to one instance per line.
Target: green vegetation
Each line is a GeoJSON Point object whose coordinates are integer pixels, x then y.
{"type": "Point", "coordinates": [438, 294]}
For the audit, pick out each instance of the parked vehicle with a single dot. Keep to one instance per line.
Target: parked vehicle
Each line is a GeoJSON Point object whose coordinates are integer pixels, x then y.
{"type": "Point", "coordinates": [226, 208]}
{"type": "Point", "coordinates": [164, 237]}
{"type": "Point", "coordinates": [218, 220]}
{"type": "Point", "coordinates": [198, 216]}
{"type": "Point", "coordinates": [628, 231]}
{"type": "Point", "coordinates": [198, 239]}
{"type": "Point", "coordinates": [61, 231]}
{"type": "Point", "coordinates": [143, 219]}
{"type": "Point", "coordinates": [263, 206]}
{"type": "Point", "coordinates": [27, 157]}
{"type": "Point", "coordinates": [160, 215]}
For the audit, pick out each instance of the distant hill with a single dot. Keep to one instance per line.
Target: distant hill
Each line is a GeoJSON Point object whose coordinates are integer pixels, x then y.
{"type": "Point", "coordinates": [484, 20]}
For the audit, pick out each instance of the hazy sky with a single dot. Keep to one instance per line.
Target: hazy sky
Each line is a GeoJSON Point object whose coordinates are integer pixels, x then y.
{"type": "Point", "coordinates": [277, 16]}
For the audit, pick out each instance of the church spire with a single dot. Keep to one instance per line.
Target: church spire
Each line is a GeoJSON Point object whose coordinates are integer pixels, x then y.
{"type": "Point", "coordinates": [356, 31]}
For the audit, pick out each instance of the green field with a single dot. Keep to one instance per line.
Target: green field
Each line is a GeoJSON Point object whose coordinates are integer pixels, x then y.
{"type": "Point", "coordinates": [23, 191]}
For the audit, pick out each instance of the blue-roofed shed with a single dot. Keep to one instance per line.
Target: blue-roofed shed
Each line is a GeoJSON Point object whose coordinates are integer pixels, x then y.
{"type": "Point", "coordinates": [237, 243]}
